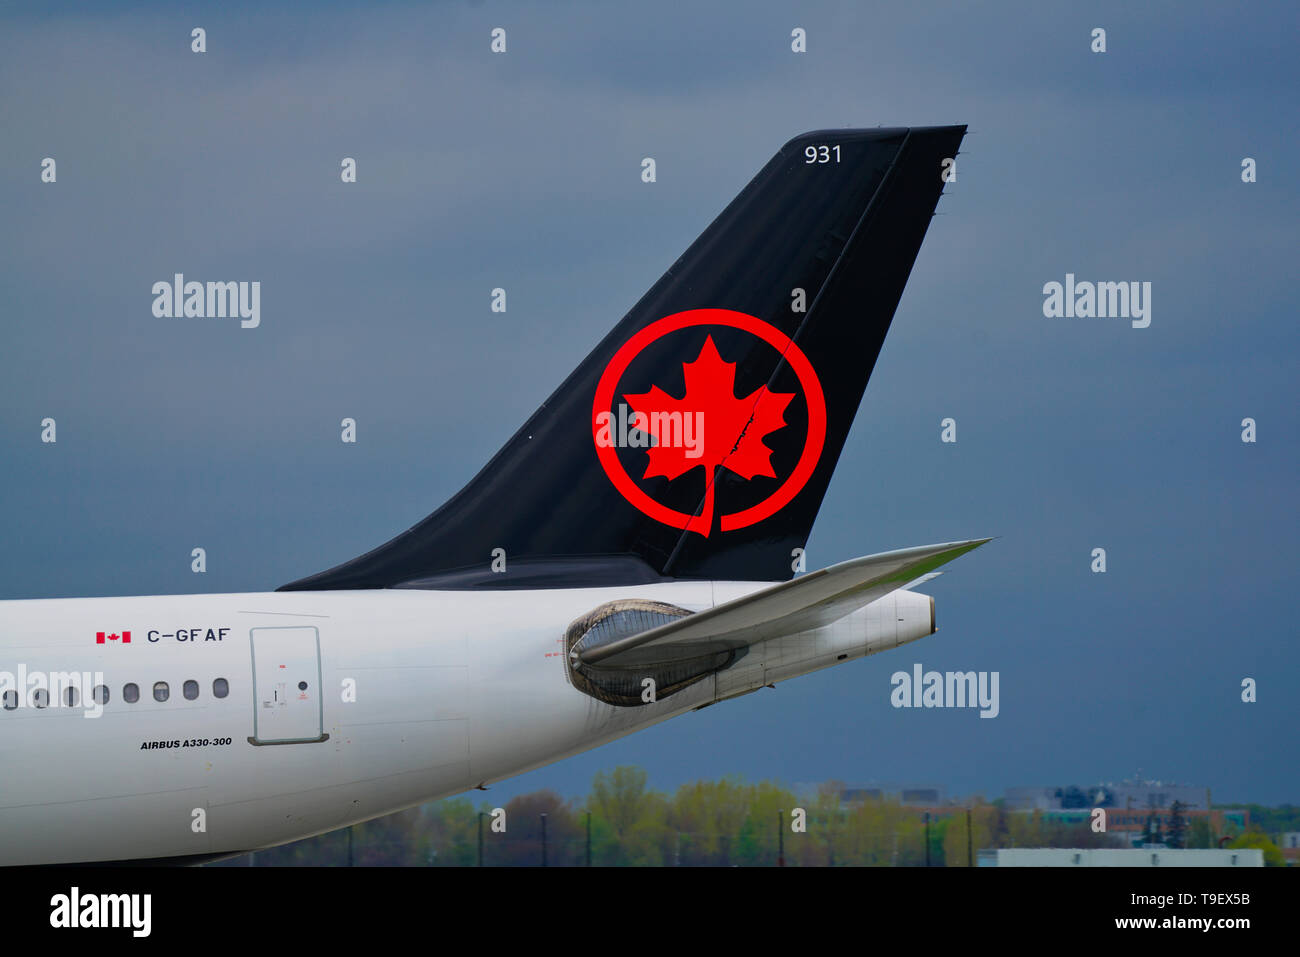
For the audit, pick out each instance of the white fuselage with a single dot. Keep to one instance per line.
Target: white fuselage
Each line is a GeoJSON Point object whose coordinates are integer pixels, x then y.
{"type": "Point", "coordinates": [340, 706]}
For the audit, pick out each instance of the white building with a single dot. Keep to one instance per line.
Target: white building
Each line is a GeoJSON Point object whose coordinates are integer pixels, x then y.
{"type": "Point", "coordinates": [1122, 857]}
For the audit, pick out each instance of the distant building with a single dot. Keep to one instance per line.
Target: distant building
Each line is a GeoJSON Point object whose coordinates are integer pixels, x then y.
{"type": "Point", "coordinates": [1132, 825]}
{"type": "Point", "coordinates": [1129, 795]}
{"type": "Point", "coordinates": [1131, 808]}
{"type": "Point", "coordinates": [1289, 843]}
{"type": "Point", "coordinates": [912, 795]}
{"type": "Point", "coordinates": [1120, 857]}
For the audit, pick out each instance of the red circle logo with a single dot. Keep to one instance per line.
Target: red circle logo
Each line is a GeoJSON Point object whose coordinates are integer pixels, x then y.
{"type": "Point", "coordinates": [737, 445]}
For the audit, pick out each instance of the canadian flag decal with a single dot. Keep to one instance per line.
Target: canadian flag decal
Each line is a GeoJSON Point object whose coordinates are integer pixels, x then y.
{"type": "Point", "coordinates": [124, 637]}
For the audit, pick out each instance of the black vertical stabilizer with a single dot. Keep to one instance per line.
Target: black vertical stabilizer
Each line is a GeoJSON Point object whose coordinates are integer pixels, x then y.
{"type": "Point", "coordinates": [747, 386]}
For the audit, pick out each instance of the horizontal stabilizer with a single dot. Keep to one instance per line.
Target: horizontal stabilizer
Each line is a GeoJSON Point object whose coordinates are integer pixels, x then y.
{"type": "Point", "coordinates": [810, 601]}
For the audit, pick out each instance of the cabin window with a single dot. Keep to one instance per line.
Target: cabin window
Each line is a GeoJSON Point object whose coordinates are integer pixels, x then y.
{"type": "Point", "coordinates": [11, 700]}
{"type": "Point", "coordinates": [131, 693]}
{"type": "Point", "coordinates": [191, 690]}
{"type": "Point", "coordinates": [220, 688]}
{"type": "Point", "coordinates": [41, 698]}
{"type": "Point", "coordinates": [100, 694]}
{"type": "Point", "coordinates": [160, 691]}
{"type": "Point", "coordinates": [70, 697]}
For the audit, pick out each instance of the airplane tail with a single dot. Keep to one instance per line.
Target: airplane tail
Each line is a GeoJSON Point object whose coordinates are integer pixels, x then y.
{"type": "Point", "coordinates": [698, 438]}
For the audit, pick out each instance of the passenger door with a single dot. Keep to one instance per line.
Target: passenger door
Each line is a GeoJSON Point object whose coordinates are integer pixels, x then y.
{"type": "Point", "coordinates": [287, 699]}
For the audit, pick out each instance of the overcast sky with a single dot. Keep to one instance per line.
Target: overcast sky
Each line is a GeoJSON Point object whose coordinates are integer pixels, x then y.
{"type": "Point", "coordinates": [522, 171]}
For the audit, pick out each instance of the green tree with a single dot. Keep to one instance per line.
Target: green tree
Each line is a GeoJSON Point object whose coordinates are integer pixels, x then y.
{"type": "Point", "coordinates": [1177, 826]}
{"type": "Point", "coordinates": [938, 840]}
{"type": "Point", "coordinates": [826, 826]}
{"type": "Point", "coordinates": [633, 818]}
{"type": "Point", "coordinates": [707, 817]}
{"type": "Point", "coordinates": [453, 831]}
{"type": "Point", "coordinates": [962, 844]}
{"type": "Point", "coordinates": [1272, 855]}
{"type": "Point", "coordinates": [396, 840]}
{"type": "Point", "coordinates": [758, 840]}
{"type": "Point", "coordinates": [1199, 834]}
{"type": "Point", "coordinates": [522, 843]}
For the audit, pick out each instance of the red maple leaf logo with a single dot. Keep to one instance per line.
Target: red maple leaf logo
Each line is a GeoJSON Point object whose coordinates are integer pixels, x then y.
{"type": "Point", "coordinates": [709, 427]}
